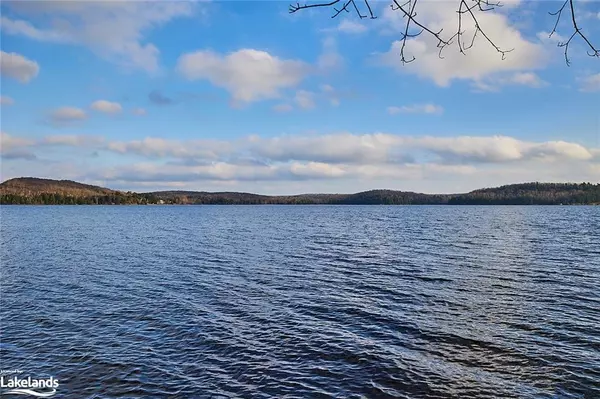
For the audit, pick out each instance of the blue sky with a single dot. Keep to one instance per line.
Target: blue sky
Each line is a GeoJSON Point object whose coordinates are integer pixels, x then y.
{"type": "Point", "coordinates": [241, 95]}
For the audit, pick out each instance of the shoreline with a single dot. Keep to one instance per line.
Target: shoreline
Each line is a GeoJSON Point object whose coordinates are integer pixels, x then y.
{"type": "Point", "coordinates": [296, 205]}
{"type": "Point", "coordinates": [34, 191]}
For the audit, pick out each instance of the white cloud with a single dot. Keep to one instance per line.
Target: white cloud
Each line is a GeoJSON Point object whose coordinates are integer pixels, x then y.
{"type": "Point", "coordinates": [528, 79]}
{"type": "Point", "coordinates": [352, 27]}
{"type": "Point", "coordinates": [332, 95]}
{"type": "Point", "coordinates": [252, 75]}
{"type": "Point", "coordinates": [356, 159]}
{"type": "Point", "coordinates": [386, 148]}
{"type": "Point", "coordinates": [556, 38]}
{"type": "Point", "coordinates": [106, 107]}
{"type": "Point", "coordinates": [334, 148]}
{"type": "Point", "coordinates": [499, 149]}
{"type": "Point", "coordinates": [218, 171]}
{"type": "Point", "coordinates": [114, 30]}
{"type": "Point", "coordinates": [282, 108]}
{"type": "Point", "coordinates": [559, 149]}
{"type": "Point", "coordinates": [8, 142]}
{"type": "Point", "coordinates": [249, 75]}
{"type": "Point", "coordinates": [5, 100]}
{"type": "Point", "coordinates": [139, 111]}
{"type": "Point", "coordinates": [292, 171]}
{"type": "Point", "coordinates": [472, 148]}
{"type": "Point", "coordinates": [302, 177]}
{"type": "Point", "coordinates": [340, 148]}
{"type": "Point", "coordinates": [305, 99]}
{"type": "Point", "coordinates": [72, 140]}
{"type": "Point", "coordinates": [589, 14]}
{"type": "Point", "coordinates": [20, 27]}
{"type": "Point", "coordinates": [416, 109]}
{"type": "Point", "coordinates": [590, 83]}
{"type": "Point", "coordinates": [316, 170]}
{"type": "Point", "coordinates": [18, 67]}
{"type": "Point", "coordinates": [161, 148]}
{"type": "Point", "coordinates": [481, 61]}
{"type": "Point", "coordinates": [330, 59]}
{"type": "Point", "coordinates": [12, 147]}
{"type": "Point", "coordinates": [67, 114]}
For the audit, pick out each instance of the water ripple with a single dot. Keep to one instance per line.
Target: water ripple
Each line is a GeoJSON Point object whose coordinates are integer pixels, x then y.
{"type": "Point", "coordinates": [303, 301]}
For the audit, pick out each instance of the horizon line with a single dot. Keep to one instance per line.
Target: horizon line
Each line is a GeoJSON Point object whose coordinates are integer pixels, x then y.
{"type": "Point", "coordinates": [294, 195]}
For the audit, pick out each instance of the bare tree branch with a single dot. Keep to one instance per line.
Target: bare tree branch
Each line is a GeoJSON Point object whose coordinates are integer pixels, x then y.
{"type": "Point", "coordinates": [576, 31]}
{"type": "Point", "coordinates": [478, 29]}
{"type": "Point", "coordinates": [410, 17]}
{"type": "Point", "coordinates": [370, 10]}
{"type": "Point", "coordinates": [468, 8]}
{"type": "Point", "coordinates": [297, 7]}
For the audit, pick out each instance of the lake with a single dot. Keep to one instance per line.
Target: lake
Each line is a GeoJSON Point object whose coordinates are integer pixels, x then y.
{"type": "Point", "coordinates": [303, 301]}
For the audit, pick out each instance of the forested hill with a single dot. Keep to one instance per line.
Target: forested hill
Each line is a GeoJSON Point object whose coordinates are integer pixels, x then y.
{"type": "Point", "coordinates": [34, 186]}
{"type": "Point", "coordinates": [532, 194]}
{"type": "Point", "coordinates": [29, 190]}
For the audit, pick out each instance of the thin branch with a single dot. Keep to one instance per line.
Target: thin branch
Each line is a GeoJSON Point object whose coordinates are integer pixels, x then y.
{"type": "Point", "coordinates": [576, 31]}
{"type": "Point", "coordinates": [370, 10]}
{"type": "Point", "coordinates": [465, 8]}
{"type": "Point", "coordinates": [358, 11]}
{"type": "Point", "coordinates": [410, 15]}
{"type": "Point", "coordinates": [297, 7]}
{"type": "Point", "coordinates": [478, 27]}
{"type": "Point", "coordinates": [406, 35]}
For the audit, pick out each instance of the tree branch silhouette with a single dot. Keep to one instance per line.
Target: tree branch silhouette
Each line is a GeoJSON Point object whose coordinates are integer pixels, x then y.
{"type": "Point", "coordinates": [466, 9]}
{"type": "Point", "coordinates": [576, 32]}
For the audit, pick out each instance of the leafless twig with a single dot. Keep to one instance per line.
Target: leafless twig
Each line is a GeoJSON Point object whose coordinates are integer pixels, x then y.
{"type": "Point", "coordinates": [466, 8]}
{"type": "Point", "coordinates": [576, 32]}
{"type": "Point", "coordinates": [297, 7]}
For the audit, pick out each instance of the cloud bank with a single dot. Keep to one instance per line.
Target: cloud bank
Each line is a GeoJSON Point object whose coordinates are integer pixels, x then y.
{"type": "Point", "coordinates": [114, 30]}
{"type": "Point", "coordinates": [342, 159]}
{"type": "Point", "coordinates": [18, 67]}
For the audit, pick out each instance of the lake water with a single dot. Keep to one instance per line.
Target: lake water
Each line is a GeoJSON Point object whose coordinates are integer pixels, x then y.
{"type": "Point", "coordinates": [303, 301]}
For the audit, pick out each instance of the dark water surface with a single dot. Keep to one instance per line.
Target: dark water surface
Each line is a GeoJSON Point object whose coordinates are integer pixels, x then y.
{"type": "Point", "coordinates": [303, 301]}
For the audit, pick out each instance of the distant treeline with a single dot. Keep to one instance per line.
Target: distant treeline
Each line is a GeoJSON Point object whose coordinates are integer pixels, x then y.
{"type": "Point", "coordinates": [514, 194]}
{"type": "Point", "coordinates": [532, 194]}
{"type": "Point", "coordinates": [65, 199]}
{"type": "Point", "coordinates": [52, 192]}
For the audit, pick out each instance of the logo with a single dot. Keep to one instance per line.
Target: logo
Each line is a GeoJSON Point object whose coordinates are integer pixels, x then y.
{"type": "Point", "coordinates": [38, 387]}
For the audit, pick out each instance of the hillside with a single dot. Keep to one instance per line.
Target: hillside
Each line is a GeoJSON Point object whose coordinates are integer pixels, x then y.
{"type": "Point", "coordinates": [29, 190]}
{"type": "Point", "coordinates": [201, 197]}
{"type": "Point", "coordinates": [532, 193]}
{"type": "Point", "coordinates": [34, 186]}
{"type": "Point", "coordinates": [391, 197]}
